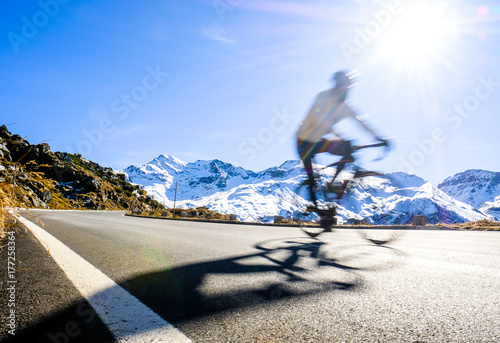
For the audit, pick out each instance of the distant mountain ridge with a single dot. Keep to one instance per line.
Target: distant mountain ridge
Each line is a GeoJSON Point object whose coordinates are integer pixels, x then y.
{"type": "Point", "coordinates": [259, 196]}
{"type": "Point", "coordinates": [476, 187]}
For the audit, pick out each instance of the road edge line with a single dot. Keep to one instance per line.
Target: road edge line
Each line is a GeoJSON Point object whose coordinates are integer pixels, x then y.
{"type": "Point", "coordinates": [128, 319]}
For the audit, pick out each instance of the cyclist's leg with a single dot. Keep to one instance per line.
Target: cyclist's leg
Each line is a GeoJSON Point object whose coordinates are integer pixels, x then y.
{"type": "Point", "coordinates": [306, 152]}
{"type": "Point", "coordinates": [339, 147]}
{"type": "Point", "coordinates": [311, 181]}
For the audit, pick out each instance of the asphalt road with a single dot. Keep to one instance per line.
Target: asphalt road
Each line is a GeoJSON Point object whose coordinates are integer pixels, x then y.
{"type": "Point", "coordinates": [235, 283]}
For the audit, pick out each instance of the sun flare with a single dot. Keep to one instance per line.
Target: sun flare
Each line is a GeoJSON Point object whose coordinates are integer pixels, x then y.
{"type": "Point", "coordinates": [419, 34]}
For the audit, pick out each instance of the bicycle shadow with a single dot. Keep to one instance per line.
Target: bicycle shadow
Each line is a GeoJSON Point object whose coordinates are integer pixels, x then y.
{"type": "Point", "coordinates": [277, 271]}
{"type": "Point", "coordinates": [292, 268]}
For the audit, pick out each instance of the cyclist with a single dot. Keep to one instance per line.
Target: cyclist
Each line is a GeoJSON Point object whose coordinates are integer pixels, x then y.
{"type": "Point", "coordinates": [329, 108]}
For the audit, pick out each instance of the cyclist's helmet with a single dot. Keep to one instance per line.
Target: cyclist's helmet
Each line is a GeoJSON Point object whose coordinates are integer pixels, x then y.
{"type": "Point", "coordinates": [345, 78]}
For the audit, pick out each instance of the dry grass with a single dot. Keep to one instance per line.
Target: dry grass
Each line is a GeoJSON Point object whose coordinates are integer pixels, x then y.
{"type": "Point", "coordinates": [4, 204]}
{"type": "Point", "coordinates": [192, 213]}
{"type": "Point", "coordinates": [296, 222]}
{"type": "Point", "coordinates": [16, 190]}
{"type": "Point", "coordinates": [480, 225]}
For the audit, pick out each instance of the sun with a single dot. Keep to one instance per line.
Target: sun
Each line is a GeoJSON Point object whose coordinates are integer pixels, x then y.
{"type": "Point", "coordinates": [419, 35]}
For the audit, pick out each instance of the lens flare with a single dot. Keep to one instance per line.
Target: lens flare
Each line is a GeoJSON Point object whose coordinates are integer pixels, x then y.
{"type": "Point", "coordinates": [417, 35]}
{"type": "Point", "coordinates": [483, 10]}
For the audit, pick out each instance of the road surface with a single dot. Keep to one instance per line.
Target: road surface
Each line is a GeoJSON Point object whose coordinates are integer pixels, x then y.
{"type": "Point", "coordinates": [239, 283]}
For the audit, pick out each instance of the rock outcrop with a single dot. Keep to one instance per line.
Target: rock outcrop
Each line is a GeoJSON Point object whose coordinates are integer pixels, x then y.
{"type": "Point", "coordinates": [37, 177]}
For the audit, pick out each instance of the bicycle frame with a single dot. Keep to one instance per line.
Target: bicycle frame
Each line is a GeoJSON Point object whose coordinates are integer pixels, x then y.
{"type": "Point", "coordinates": [347, 158]}
{"type": "Point", "coordinates": [326, 213]}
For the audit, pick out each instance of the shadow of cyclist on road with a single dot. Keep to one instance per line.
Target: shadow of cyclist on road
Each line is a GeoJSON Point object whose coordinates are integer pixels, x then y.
{"type": "Point", "coordinates": [289, 268]}
{"type": "Point", "coordinates": [279, 269]}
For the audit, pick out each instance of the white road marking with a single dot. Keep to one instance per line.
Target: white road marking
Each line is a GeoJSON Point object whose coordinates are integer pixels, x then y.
{"type": "Point", "coordinates": [125, 316]}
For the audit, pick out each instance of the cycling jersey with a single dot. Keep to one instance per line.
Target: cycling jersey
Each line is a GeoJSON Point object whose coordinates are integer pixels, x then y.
{"type": "Point", "coordinates": [328, 109]}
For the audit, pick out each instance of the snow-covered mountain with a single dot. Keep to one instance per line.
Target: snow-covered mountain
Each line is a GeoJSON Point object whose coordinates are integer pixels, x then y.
{"type": "Point", "coordinates": [223, 187]}
{"type": "Point", "coordinates": [397, 197]}
{"type": "Point", "coordinates": [476, 187]}
{"type": "Point", "coordinates": [491, 208]}
{"type": "Point", "coordinates": [259, 196]}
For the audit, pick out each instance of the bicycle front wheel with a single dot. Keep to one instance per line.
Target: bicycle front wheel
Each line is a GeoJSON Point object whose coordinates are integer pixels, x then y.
{"type": "Point", "coordinates": [379, 236]}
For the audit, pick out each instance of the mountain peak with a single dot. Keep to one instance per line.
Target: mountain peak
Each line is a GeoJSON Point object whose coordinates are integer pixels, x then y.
{"type": "Point", "coordinates": [170, 159]}
{"type": "Point", "coordinates": [287, 165]}
{"type": "Point", "coordinates": [406, 179]}
{"type": "Point", "coordinates": [169, 162]}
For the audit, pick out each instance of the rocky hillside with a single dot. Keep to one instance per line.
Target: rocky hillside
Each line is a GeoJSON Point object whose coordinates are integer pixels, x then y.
{"type": "Point", "coordinates": [33, 176]}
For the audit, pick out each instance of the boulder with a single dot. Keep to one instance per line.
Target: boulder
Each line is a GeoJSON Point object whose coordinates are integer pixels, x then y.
{"type": "Point", "coordinates": [44, 195]}
{"type": "Point", "coordinates": [64, 156]}
{"type": "Point", "coordinates": [5, 152]}
{"type": "Point", "coordinates": [92, 185]}
{"type": "Point", "coordinates": [4, 132]}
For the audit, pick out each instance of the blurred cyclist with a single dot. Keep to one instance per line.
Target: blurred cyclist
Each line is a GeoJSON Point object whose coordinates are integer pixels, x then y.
{"type": "Point", "coordinates": [329, 108]}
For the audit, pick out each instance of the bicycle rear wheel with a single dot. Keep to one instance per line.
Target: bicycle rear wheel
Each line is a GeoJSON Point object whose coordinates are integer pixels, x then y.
{"type": "Point", "coordinates": [326, 222]}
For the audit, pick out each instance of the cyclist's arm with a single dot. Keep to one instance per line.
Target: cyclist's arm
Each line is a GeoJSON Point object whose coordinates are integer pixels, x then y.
{"type": "Point", "coordinates": [335, 133]}
{"type": "Point", "coordinates": [364, 123]}
{"type": "Point", "coordinates": [362, 120]}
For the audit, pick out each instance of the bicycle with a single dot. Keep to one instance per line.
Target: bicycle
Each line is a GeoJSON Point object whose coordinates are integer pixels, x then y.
{"type": "Point", "coordinates": [334, 191]}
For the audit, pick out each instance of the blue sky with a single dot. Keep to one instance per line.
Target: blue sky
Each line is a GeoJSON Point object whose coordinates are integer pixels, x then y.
{"type": "Point", "coordinates": [123, 81]}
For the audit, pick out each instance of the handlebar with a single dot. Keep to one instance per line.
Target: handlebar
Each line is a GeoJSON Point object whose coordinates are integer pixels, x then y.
{"type": "Point", "coordinates": [374, 145]}
{"type": "Point", "coordinates": [382, 143]}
